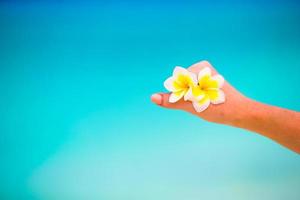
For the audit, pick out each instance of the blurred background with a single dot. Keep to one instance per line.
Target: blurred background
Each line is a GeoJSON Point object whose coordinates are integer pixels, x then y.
{"type": "Point", "coordinates": [76, 121]}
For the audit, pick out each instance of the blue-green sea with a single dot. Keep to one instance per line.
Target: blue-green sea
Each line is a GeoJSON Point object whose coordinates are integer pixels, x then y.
{"type": "Point", "coordinates": [76, 121]}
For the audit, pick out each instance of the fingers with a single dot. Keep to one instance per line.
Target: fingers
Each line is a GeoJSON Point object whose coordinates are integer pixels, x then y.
{"type": "Point", "coordinates": [157, 99]}
{"type": "Point", "coordinates": [162, 99]}
{"type": "Point", "coordinates": [195, 68]}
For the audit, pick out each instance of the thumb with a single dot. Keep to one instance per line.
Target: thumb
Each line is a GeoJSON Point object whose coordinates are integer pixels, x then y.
{"type": "Point", "coordinates": [162, 99]}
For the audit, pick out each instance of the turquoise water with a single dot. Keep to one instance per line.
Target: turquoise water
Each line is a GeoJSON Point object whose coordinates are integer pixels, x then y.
{"type": "Point", "coordinates": [76, 120]}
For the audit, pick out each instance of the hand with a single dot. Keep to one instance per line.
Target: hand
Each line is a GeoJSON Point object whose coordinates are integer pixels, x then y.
{"type": "Point", "coordinates": [240, 111]}
{"type": "Point", "coordinates": [225, 113]}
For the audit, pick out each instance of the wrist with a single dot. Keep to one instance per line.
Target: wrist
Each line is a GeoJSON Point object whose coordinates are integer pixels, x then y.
{"type": "Point", "coordinates": [244, 113]}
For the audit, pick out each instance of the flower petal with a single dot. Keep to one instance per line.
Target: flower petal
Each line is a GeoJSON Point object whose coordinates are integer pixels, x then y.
{"type": "Point", "coordinates": [176, 96]}
{"type": "Point", "coordinates": [179, 70]}
{"type": "Point", "coordinates": [216, 96]}
{"type": "Point", "coordinates": [202, 104]}
{"type": "Point", "coordinates": [183, 81]}
{"type": "Point", "coordinates": [194, 78]}
{"type": "Point", "coordinates": [219, 80]}
{"type": "Point", "coordinates": [205, 72]}
{"type": "Point", "coordinates": [197, 93]}
{"type": "Point", "coordinates": [169, 84]}
{"type": "Point", "coordinates": [188, 95]}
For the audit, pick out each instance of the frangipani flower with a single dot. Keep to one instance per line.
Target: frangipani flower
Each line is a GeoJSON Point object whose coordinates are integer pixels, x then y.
{"type": "Point", "coordinates": [180, 84]}
{"type": "Point", "coordinates": [207, 91]}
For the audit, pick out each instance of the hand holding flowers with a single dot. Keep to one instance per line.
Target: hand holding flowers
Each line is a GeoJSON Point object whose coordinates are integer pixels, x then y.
{"type": "Point", "coordinates": [199, 86]}
{"type": "Point", "coordinates": [201, 89]}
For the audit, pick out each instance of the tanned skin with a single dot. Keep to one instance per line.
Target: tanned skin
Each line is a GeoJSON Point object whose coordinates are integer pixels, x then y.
{"type": "Point", "coordinates": [278, 124]}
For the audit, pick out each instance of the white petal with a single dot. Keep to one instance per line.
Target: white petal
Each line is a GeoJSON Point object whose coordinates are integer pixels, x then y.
{"type": "Point", "coordinates": [200, 97]}
{"type": "Point", "coordinates": [201, 106]}
{"type": "Point", "coordinates": [219, 79]}
{"type": "Point", "coordinates": [194, 78]}
{"type": "Point", "coordinates": [169, 84]}
{"type": "Point", "coordinates": [220, 98]}
{"type": "Point", "coordinates": [176, 96]}
{"type": "Point", "coordinates": [204, 72]}
{"type": "Point", "coordinates": [188, 95]}
{"type": "Point", "coordinates": [197, 94]}
{"type": "Point", "coordinates": [180, 70]}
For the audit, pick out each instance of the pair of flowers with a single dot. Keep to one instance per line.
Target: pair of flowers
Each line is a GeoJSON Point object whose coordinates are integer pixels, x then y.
{"type": "Point", "coordinates": [201, 89]}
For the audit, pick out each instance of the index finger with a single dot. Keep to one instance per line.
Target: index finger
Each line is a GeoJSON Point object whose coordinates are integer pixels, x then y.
{"type": "Point", "coordinates": [195, 68]}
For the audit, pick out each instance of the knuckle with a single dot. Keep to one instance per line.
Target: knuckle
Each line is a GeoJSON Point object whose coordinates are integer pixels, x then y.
{"type": "Point", "coordinates": [205, 63]}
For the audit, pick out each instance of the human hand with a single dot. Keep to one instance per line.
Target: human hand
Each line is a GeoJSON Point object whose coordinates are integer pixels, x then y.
{"type": "Point", "coordinates": [240, 111]}
{"type": "Point", "coordinates": [228, 112]}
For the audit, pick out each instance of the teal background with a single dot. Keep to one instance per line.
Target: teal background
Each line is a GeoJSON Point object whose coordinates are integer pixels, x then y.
{"type": "Point", "coordinates": [76, 121]}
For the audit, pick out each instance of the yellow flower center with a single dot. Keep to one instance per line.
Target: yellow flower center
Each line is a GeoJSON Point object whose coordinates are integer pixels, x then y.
{"type": "Point", "coordinates": [197, 91]}
{"type": "Point", "coordinates": [206, 82]}
{"type": "Point", "coordinates": [183, 82]}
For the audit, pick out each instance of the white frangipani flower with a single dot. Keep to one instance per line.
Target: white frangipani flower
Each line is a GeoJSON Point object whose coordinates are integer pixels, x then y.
{"type": "Point", "coordinates": [180, 84]}
{"type": "Point", "coordinates": [208, 90]}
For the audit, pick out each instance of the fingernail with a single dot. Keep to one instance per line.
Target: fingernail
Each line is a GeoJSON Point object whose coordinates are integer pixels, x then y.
{"type": "Point", "coordinates": [156, 98]}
